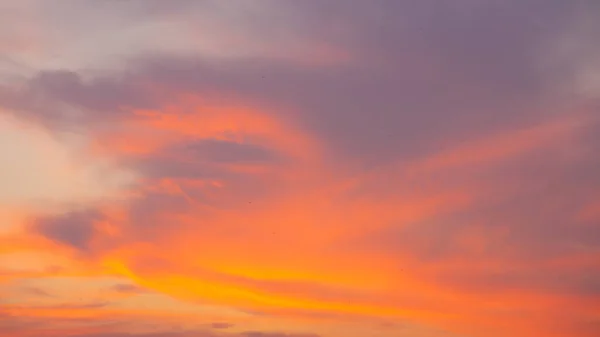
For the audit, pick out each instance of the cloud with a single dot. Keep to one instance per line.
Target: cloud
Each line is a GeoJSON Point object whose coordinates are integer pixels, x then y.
{"type": "Point", "coordinates": [223, 151]}
{"type": "Point", "coordinates": [75, 229]}
{"type": "Point", "coordinates": [107, 328]}
{"type": "Point", "coordinates": [106, 95]}
{"type": "Point", "coordinates": [83, 306]}
{"type": "Point", "coordinates": [221, 325]}
{"type": "Point", "coordinates": [129, 289]}
{"type": "Point", "coordinates": [37, 292]}
{"type": "Point", "coordinates": [368, 110]}
{"type": "Point", "coordinates": [274, 334]}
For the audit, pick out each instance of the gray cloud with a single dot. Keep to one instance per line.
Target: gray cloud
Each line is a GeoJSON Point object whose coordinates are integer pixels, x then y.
{"type": "Point", "coordinates": [75, 229]}
{"type": "Point", "coordinates": [221, 325]}
{"type": "Point", "coordinates": [129, 289]}
{"type": "Point", "coordinates": [275, 334]}
{"type": "Point", "coordinates": [222, 151]}
{"type": "Point", "coordinates": [17, 325]}
{"type": "Point", "coordinates": [425, 72]}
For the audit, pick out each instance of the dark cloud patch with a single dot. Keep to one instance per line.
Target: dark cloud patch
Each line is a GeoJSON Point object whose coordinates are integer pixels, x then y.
{"type": "Point", "coordinates": [276, 334]}
{"type": "Point", "coordinates": [150, 334]}
{"type": "Point", "coordinates": [75, 229]}
{"type": "Point", "coordinates": [204, 159]}
{"type": "Point", "coordinates": [221, 325]}
{"type": "Point", "coordinates": [19, 325]}
{"type": "Point", "coordinates": [197, 334]}
{"type": "Point", "coordinates": [129, 289]}
{"type": "Point", "coordinates": [63, 99]}
{"type": "Point", "coordinates": [106, 95]}
{"type": "Point", "coordinates": [160, 165]}
{"type": "Point", "coordinates": [92, 305]}
{"type": "Point", "coordinates": [37, 292]}
{"type": "Point", "coordinates": [223, 151]}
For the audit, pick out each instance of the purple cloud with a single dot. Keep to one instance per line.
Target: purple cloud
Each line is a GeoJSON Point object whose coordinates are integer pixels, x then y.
{"type": "Point", "coordinates": [75, 229]}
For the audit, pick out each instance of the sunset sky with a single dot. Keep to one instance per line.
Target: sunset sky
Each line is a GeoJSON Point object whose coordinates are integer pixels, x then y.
{"type": "Point", "coordinates": [299, 168]}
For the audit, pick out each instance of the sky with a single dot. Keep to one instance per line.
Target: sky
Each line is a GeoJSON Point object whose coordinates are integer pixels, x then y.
{"type": "Point", "coordinates": [314, 168]}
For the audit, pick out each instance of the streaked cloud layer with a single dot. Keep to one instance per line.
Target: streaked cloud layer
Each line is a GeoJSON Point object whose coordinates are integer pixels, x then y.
{"type": "Point", "coordinates": [299, 168]}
